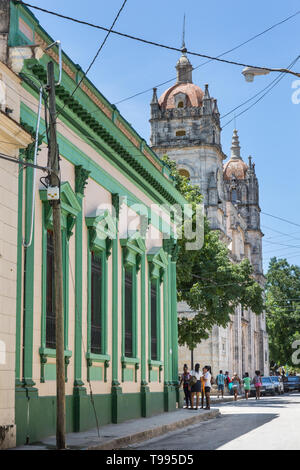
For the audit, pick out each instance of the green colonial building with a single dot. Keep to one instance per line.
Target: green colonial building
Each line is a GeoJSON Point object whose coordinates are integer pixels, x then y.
{"type": "Point", "coordinates": [119, 267]}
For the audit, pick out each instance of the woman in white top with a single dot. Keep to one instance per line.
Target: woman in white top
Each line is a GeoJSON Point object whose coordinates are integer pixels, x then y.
{"type": "Point", "coordinates": [207, 384]}
{"type": "Point", "coordinates": [196, 387]}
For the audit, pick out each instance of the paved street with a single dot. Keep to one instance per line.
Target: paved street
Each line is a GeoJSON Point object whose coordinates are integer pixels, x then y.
{"type": "Point", "coordinates": [273, 423]}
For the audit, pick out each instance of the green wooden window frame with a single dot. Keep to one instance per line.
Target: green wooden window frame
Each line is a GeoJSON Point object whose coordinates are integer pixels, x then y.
{"type": "Point", "coordinates": [155, 319]}
{"type": "Point", "coordinates": [97, 280]}
{"type": "Point", "coordinates": [70, 209]}
{"type": "Point", "coordinates": [101, 232]}
{"type": "Point", "coordinates": [157, 265]}
{"type": "Point", "coordinates": [133, 248]}
{"type": "Point", "coordinates": [130, 302]}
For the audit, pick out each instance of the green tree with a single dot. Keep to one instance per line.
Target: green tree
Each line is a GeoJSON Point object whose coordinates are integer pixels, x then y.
{"type": "Point", "coordinates": [282, 310]}
{"type": "Point", "coordinates": [207, 279]}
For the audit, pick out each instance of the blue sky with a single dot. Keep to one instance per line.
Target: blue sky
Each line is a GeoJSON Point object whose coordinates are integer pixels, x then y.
{"type": "Point", "coordinates": [269, 131]}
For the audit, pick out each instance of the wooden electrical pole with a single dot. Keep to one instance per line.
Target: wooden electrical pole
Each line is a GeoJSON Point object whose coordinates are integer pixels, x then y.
{"type": "Point", "coordinates": [58, 271]}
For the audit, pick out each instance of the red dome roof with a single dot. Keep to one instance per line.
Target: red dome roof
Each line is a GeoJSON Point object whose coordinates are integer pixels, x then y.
{"type": "Point", "coordinates": [193, 93]}
{"type": "Point", "coordinates": [235, 167]}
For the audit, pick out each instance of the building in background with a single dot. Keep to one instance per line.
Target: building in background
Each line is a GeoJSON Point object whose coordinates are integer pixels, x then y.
{"type": "Point", "coordinates": [119, 270]}
{"type": "Point", "coordinates": [185, 125]}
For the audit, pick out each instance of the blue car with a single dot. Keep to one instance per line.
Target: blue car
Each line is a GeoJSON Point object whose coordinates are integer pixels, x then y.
{"type": "Point", "coordinates": [292, 383]}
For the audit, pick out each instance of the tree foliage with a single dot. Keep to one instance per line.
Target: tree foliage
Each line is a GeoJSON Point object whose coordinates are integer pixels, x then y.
{"type": "Point", "coordinates": [207, 279]}
{"type": "Point", "coordinates": [282, 310]}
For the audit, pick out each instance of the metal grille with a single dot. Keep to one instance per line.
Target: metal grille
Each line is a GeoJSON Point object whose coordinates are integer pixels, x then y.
{"type": "Point", "coordinates": [128, 314]}
{"type": "Point", "coordinates": [96, 305]}
{"type": "Point", "coordinates": [154, 322]}
{"type": "Point", "coordinates": [50, 306]}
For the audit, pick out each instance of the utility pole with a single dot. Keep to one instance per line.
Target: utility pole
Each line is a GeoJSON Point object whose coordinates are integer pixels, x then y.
{"type": "Point", "coordinates": [58, 271]}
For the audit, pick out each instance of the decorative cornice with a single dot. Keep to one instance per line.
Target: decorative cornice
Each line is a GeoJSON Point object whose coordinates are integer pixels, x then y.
{"type": "Point", "coordinates": [81, 179]}
{"type": "Point", "coordinates": [156, 181]}
{"type": "Point", "coordinates": [102, 231]}
{"type": "Point", "coordinates": [158, 262]}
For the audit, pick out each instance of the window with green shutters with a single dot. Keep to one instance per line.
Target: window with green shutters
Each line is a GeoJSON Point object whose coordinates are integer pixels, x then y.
{"type": "Point", "coordinates": [154, 320]}
{"type": "Point", "coordinates": [129, 312]}
{"type": "Point", "coordinates": [50, 308]}
{"type": "Point", "coordinates": [133, 249]}
{"type": "Point", "coordinates": [157, 264]}
{"type": "Point", "coordinates": [101, 231]}
{"type": "Point", "coordinates": [96, 303]}
{"type": "Point", "coordinates": [70, 208]}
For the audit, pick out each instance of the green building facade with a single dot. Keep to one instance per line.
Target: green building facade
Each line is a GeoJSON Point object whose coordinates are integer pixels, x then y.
{"type": "Point", "coordinates": [119, 266]}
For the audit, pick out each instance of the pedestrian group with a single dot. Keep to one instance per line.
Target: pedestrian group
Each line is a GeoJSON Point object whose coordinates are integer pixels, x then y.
{"type": "Point", "coordinates": [197, 383]}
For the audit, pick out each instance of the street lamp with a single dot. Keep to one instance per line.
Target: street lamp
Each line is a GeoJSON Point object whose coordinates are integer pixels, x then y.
{"type": "Point", "coordinates": [250, 72]}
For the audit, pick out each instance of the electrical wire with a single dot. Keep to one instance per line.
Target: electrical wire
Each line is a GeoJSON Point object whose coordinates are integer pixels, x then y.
{"type": "Point", "coordinates": [23, 163]}
{"type": "Point", "coordinates": [257, 94]}
{"type": "Point", "coordinates": [153, 43]}
{"type": "Point", "coordinates": [269, 88]}
{"type": "Point", "coordinates": [209, 61]}
{"type": "Point", "coordinates": [282, 244]}
{"type": "Point", "coordinates": [99, 50]}
{"type": "Point", "coordinates": [280, 218]}
{"type": "Point", "coordinates": [282, 234]}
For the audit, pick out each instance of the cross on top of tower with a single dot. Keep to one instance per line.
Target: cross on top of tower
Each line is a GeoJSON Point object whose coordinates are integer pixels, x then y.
{"type": "Point", "coordinates": [184, 67]}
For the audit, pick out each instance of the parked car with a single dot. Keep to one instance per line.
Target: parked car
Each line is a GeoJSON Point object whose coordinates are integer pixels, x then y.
{"type": "Point", "coordinates": [267, 388]}
{"type": "Point", "coordinates": [291, 383]}
{"type": "Point", "coordinates": [278, 382]}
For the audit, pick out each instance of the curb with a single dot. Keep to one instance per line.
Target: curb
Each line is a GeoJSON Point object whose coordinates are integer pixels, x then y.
{"type": "Point", "coordinates": [225, 400]}
{"type": "Point", "coordinates": [121, 442]}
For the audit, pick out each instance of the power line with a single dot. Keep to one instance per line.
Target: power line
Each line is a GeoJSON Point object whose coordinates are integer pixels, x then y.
{"type": "Point", "coordinates": [23, 163]}
{"type": "Point", "coordinates": [208, 61]}
{"type": "Point", "coordinates": [156, 44]}
{"type": "Point", "coordinates": [268, 88]}
{"type": "Point", "coordinates": [280, 218]}
{"type": "Point", "coordinates": [283, 244]}
{"type": "Point", "coordinates": [98, 51]}
{"type": "Point", "coordinates": [282, 234]}
{"type": "Point", "coordinates": [254, 96]}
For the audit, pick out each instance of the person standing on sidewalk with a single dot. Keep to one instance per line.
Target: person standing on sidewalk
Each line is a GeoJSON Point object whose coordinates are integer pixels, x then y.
{"type": "Point", "coordinates": [247, 385]}
{"type": "Point", "coordinates": [257, 384]}
{"type": "Point", "coordinates": [236, 382]}
{"type": "Point", "coordinates": [228, 382]}
{"type": "Point", "coordinates": [185, 378]}
{"type": "Point", "coordinates": [220, 379]}
{"type": "Point", "coordinates": [196, 375]}
{"type": "Point", "coordinates": [207, 385]}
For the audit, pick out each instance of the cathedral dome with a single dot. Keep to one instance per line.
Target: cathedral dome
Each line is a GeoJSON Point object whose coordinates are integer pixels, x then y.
{"type": "Point", "coordinates": [192, 93]}
{"type": "Point", "coordinates": [235, 166]}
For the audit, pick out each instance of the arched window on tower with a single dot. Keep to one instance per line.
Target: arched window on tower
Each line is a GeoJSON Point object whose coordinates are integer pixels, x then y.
{"type": "Point", "coordinates": [180, 104]}
{"type": "Point", "coordinates": [184, 172]}
{"type": "Point", "coordinates": [233, 196]}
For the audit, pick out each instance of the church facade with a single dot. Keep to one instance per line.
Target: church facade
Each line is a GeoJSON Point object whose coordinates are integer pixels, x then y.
{"type": "Point", "coordinates": [185, 125]}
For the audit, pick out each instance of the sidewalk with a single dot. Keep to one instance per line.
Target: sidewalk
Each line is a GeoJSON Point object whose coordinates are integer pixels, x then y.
{"type": "Point", "coordinates": [116, 436]}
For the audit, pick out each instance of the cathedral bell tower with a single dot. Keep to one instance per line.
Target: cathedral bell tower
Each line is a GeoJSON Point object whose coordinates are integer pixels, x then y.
{"type": "Point", "coordinates": [185, 125]}
{"type": "Point", "coordinates": [242, 190]}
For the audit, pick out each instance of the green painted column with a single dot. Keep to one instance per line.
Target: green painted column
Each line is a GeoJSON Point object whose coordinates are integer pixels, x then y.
{"type": "Point", "coordinates": [19, 277]}
{"type": "Point", "coordinates": [78, 297]}
{"type": "Point", "coordinates": [143, 321]}
{"type": "Point", "coordinates": [28, 284]}
{"type": "Point", "coordinates": [173, 292]}
{"type": "Point", "coordinates": [170, 324]}
{"type": "Point", "coordinates": [115, 314]}
{"type": "Point", "coordinates": [166, 329]}
{"type": "Point", "coordinates": [79, 391]}
{"type": "Point", "coordinates": [145, 390]}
